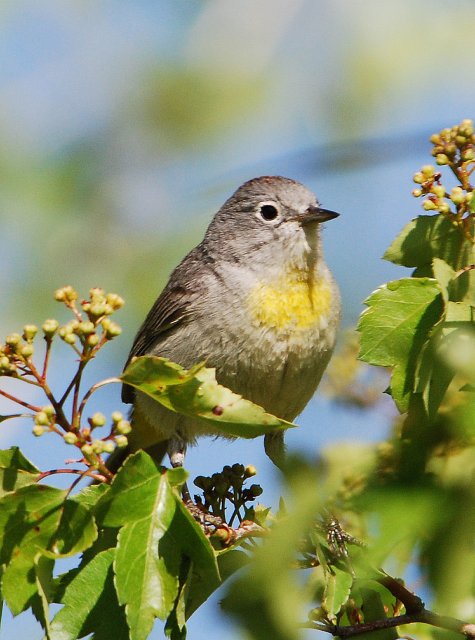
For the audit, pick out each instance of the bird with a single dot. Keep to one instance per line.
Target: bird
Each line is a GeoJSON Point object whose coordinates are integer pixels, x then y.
{"type": "Point", "coordinates": [256, 301]}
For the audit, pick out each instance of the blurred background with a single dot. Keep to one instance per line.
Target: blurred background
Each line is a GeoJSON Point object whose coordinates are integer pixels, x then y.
{"type": "Point", "coordinates": [125, 125]}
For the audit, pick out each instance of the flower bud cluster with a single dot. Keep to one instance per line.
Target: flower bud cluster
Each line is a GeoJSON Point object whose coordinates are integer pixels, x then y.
{"type": "Point", "coordinates": [92, 448]}
{"type": "Point", "coordinates": [44, 420]}
{"type": "Point", "coordinates": [228, 486]}
{"type": "Point", "coordinates": [17, 350]}
{"type": "Point", "coordinates": [97, 308]}
{"type": "Point", "coordinates": [455, 148]}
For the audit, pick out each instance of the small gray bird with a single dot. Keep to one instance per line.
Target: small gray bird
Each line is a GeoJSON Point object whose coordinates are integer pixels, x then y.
{"type": "Point", "coordinates": [256, 301]}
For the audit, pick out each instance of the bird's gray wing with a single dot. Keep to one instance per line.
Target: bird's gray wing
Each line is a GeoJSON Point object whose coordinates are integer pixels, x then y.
{"type": "Point", "coordinates": [170, 309]}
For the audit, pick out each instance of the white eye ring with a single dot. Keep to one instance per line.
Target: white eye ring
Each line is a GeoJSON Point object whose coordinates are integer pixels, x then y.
{"type": "Point", "coordinates": [268, 211]}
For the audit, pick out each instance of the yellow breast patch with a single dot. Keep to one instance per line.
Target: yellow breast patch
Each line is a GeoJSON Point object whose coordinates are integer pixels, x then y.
{"type": "Point", "coordinates": [292, 302]}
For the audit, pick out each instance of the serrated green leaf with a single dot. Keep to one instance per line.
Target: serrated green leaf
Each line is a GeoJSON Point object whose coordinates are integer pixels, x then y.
{"type": "Point", "coordinates": [15, 470]}
{"type": "Point", "coordinates": [394, 328]}
{"type": "Point", "coordinates": [29, 518]}
{"type": "Point", "coordinates": [196, 393]}
{"type": "Point", "coordinates": [20, 581]}
{"type": "Point", "coordinates": [337, 592]}
{"type": "Point", "coordinates": [426, 238]}
{"type": "Point", "coordinates": [158, 534]}
{"type": "Point", "coordinates": [90, 604]}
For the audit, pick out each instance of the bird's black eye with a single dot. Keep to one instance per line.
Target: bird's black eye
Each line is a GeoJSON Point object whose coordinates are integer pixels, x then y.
{"type": "Point", "coordinates": [268, 212]}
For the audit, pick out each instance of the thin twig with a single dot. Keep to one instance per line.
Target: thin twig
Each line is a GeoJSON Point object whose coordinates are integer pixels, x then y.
{"type": "Point", "coordinates": [79, 472]}
{"type": "Point", "coordinates": [32, 407]}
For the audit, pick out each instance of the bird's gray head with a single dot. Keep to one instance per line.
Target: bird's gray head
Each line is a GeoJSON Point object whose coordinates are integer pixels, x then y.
{"type": "Point", "coordinates": [264, 211]}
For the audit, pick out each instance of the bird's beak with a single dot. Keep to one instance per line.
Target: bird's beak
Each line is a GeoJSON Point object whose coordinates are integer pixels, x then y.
{"type": "Point", "coordinates": [316, 214]}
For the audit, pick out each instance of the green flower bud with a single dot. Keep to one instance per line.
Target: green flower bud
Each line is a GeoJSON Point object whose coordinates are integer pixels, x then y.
{"type": "Point", "coordinates": [238, 469]}
{"type": "Point", "coordinates": [13, 340]}
{"type": "Point", "coordinates": [98, 419]}
{"type": "Point", "coordinates": [49, 410]}
{"type": "Point", "coordinates": [97, 309]}
{"type": "Point", "coordinates": [41, 418]}
{"type": "Point", "coordinates": [441, 159]}
{"type": "Point", "coordinates": [93, 340]}
{"type": "Point", "coordinates": [96, 294]}
{"type": "Point", "coordinates": [435, 138]}
{"type": "Point", "coordinates": [111, 329]}
{"type": "Point", "coordinates": [460, 140]}
{"type": "Point", "coordinates": [417, 193]}
{"type": "Point", "coordinates": [87, 449]}
{"type": "Point", "coordinates": [121, 441]}
{"type": "Point", "coordinates": [70, 438]}
{"type": "Point", "coordinates": [428, 170]}
{"type": "Point", "coordinates": [27, 350]}
{"type": "Point", "coordinates": [69, 338]}
{"type": "Point", "coordinates": [115, 301]}
{"type": "Point", "coordinates": [50, 327]}
{"type": "Point", "coordinates": [117, 417]}
{"type": "Point", "coordinates": [38, 430]}
{"type": "Point", "coordinates": [468, 154]}
{"type": "Point", "coordinates": [123, 427]}
{"type": "Point", "coordinates": [66, 294]}
{"type": "Point", "coordinates": [255, 490]}
{"type": "Point", "coordinates": [438, 190]}
{"type": "Point", "coordinates": [418, 178]}
{"type": "Point", "coordinates": [108, 446]}
{"type": "Point", "coordinates": [29, 332]}
{"type": "Point", "coordinates": [85, 328]}
{"type": "Point", "coordinates": [457, 195]}
{"type": "Point", "coordinates": [428, 205]}
{"type": "Point", "coordinates": [250, 471]}
{"type": "Point", "coordinates": [450, 150]}
{"type": "Point", "coordinates": [98, 447]}
{"type": "Point", "coordinates": [444, 207]}
{"type": "Point", "coordinates": [199, 481]}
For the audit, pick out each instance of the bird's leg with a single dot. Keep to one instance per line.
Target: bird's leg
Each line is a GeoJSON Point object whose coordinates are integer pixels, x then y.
{"type": "Point", "coordinates": [176, 453]}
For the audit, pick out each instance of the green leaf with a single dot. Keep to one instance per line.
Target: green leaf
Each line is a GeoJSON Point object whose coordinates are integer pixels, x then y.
{"type": "Point", "coordinates": [428, 237]}
{"type": "Point", "coordinates": [15, 470]}
{"type": "Point", "coordinates": [35, 520]}
{"type": "Point", "coordinates": [76, 530]}
{"type": "Point", "coordinates": [158, 534]}
{"type": "Point", "coordinates": [196, 393]}
{"type": "Point", "coordinates": [43, 573]}
{"type": "Point", "coordinates": [200, 589]}
{"type": "Point", "coordinates": [268, 599]}
{"type": "Point", "coordinates": [373, 608]}
{"type": "Point", "coordinates": [90, 604]}
{"type": "Point", "coordinates": [394, 328]}
{"type": "Point", "coordinates": [337, 592]}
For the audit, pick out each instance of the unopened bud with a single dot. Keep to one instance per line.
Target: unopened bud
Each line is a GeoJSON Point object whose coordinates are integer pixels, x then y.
{"type": "Point", "coordinates": [70, 438]}
{"type": "Point", "coordinates": [123, 427]}
{"type": "Point", "coordinates": [13, 340]}
{"type": "Point", "coordinates": [98, 420]}
{"type": "Point", "coordinates": [108, 447]}
{"type": "Point", "coordinates": [38, 430]}
{"type": "Point", "coordinates": [441, 159]}
{"type": "Point", "coordinates": [457, 195]}
{"type": "Point", "coordinates": [116, 417]}
{"type": "Point", "coordinates": [121, 441]}
{"type": "Point", "coordinates": [115, 301]}
{"type": "Point", "coordinates": [66, 294]}
{"type": "Point", "coordinates": [250, 471]}
{"type": "Point", "coordinates": [27, 350]}
{"type": "Point", "coordinates": [42, 418]}
{"type": "Point", "coordinates": [50, 327]}
{"type": "Point", "coordinates": [29, 332]}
